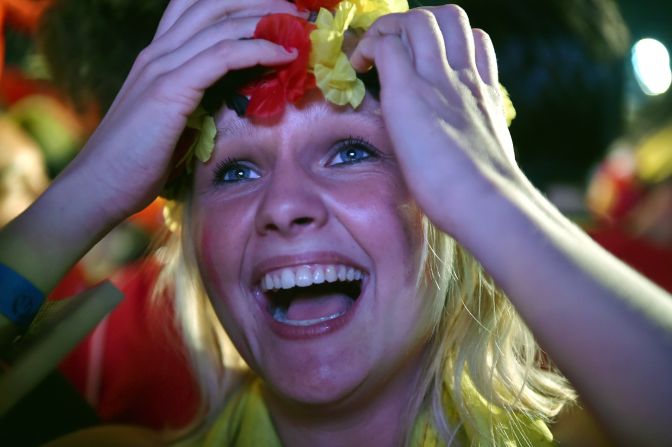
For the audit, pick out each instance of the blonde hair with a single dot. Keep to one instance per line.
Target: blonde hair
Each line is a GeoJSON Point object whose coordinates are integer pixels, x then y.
{"type": "Point", "coordinates": [480, 340]}
{"type": "Point", "coordinates": [477, 339]}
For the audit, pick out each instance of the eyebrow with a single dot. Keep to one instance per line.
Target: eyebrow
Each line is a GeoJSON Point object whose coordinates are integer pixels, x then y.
{"type": "Point", "coordinates": [243, 127]}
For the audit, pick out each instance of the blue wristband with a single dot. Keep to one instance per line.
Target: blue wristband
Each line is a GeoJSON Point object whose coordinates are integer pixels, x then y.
{"type": "Point", "coordinates": [19, 298]}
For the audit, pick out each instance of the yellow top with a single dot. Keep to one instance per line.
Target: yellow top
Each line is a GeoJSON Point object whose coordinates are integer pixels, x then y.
{"type": "Point", "coordinates": [245, 421]}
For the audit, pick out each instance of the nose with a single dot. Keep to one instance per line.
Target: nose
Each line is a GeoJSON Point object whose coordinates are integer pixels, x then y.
{"type": "Point", "coordinates": [292, 203]}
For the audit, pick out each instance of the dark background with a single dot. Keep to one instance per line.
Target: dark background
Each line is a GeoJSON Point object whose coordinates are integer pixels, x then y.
{"type": "Point", "coordinates": [649, 18]}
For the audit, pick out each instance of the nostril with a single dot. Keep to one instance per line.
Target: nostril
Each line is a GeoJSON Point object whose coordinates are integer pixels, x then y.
{"type": "Point", "coordinates": [294, 223]}
{"type": "Point", "coordinates": [272, 227]}
{"type": "Point", "coordinates": [303, 221]}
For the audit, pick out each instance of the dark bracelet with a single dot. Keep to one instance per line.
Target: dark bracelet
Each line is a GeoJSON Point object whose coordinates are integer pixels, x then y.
{"type": "Point", "coordinates": [19, 298]}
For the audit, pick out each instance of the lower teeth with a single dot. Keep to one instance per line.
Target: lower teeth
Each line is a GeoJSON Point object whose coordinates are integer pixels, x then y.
{"type": "Point", "coordinates": [280, 315]}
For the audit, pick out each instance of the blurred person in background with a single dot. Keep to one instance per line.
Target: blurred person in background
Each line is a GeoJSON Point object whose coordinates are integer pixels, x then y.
{"type": "Point", "coordinates": [22, 172]}
{"type": "Point", "coordinates": [630, 196]}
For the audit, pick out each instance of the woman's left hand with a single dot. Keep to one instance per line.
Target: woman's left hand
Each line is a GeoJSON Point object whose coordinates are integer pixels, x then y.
{"type": "Point", "coordinates": [607, 328]}
{"type": "Point", "coordinates": [443, 109]}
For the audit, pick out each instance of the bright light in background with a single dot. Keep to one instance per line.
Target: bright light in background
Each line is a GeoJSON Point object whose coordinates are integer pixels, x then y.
{"type": "Point", "coordinates": [651, 62]}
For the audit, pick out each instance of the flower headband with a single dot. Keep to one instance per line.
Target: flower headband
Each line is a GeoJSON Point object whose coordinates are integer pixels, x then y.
{"type": "Point", "coordinates": [320, 63]}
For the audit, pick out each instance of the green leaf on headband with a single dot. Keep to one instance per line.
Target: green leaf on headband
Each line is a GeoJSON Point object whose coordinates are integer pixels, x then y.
{"type": "Point", "coordinates": [195, 120]}
{"type": "Point", "coordinates": [205, 143]}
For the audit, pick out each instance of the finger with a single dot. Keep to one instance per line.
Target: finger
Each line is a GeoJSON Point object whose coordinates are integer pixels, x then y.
{"type": "Point", "coordinates": [227, 29]}
{"type": "Point", "coordinates": [163, 77]}
{"type": "Point", "coordinates": [486, 60]}
{"type": "Point", "coordinates": [173, 11]}
{"type": "Point", "coordinates": [418, 31]}
{"type": "Point", "coordinates": [152, 63]}
{"type": "Point", "coordinates": [420, 34]}
{"type": "Point", "coordinates": [391, 58]}
{"type": "Point", "coordinates": [457, 36]}
{"type": "Point", "coordinates": [201, 13]}
{"type": "Point", "coordinates": [204, 12]}
{"type": "Point", "coordinates": [186, 83]}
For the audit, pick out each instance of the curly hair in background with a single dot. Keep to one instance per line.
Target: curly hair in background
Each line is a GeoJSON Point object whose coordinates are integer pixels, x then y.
{"type": "Point", "coordinates": [90, 45]}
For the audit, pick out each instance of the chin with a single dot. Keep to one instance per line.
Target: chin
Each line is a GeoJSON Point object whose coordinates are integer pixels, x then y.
{"type": "Point", "coordinates": [317, 378]}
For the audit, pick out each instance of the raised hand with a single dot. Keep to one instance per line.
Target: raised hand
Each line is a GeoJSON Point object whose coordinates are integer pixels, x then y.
{"type": "Point", "coordinates": [197, 42]}
{"type": "Point", "coordinates": [442, 106]}
{"type": "Point", "coordinates": [606, 327]}
{"type": "Point", "coordinates": [127, 160]}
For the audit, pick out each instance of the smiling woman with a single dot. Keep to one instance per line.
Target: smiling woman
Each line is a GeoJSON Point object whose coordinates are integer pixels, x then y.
{"type": "Point", "coordinates": [329, 249]}
{"type": "Point", "coordinates": [315, 257]}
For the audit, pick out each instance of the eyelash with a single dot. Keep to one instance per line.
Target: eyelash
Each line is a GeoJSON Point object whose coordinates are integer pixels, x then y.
{"type": "Point", "coordinates": [227, 165]}
{"type": "Point", "coordinates": [356, 143]}
{"type": "Point", "coordinates": [224, 167]}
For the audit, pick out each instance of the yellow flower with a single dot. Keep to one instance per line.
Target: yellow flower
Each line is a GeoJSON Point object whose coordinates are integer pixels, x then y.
{"type": "Point", "coordinates": [339, 84]}
{"type": "Point", "coordinates": [369, 10]}
{"type": "Point", "coordinates": [327, 38]}
{"type": "Point", "coordinates": [507, 104]}
{"type": "Point", "coordinates": [334, 75]}
{"type": "Point", "coordinates": [333, 72]}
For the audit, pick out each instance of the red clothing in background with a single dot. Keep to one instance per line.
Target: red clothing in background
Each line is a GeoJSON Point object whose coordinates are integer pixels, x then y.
{"type": "Point", "coordinates": [132, 368]}
{"type": "Point", "coordinates": [650, 260]}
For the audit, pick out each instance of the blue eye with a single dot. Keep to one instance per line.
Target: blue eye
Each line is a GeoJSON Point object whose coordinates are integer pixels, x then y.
{"type": "Point", "coordinates": [352, 150]}
{"type": "Point", "coordinates": [233, 171]}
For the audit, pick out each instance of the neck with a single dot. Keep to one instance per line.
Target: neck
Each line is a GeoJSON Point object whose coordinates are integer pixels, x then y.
{"type": "Point", "coordinates": [378, 418]}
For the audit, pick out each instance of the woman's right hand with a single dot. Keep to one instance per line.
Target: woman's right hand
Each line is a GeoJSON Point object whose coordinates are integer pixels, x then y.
{"type": "Point", "coordinates": [128, 158]}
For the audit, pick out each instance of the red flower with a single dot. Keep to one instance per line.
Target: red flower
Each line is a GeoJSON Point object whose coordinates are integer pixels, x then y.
{"type": "Point", "coordinates": [287, 83]}
{"type": "Point", "coordinates": [315, 5]}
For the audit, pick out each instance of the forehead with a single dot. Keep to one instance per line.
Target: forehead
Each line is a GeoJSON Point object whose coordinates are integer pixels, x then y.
{"type": "Point", "coordinates": [314, 110]}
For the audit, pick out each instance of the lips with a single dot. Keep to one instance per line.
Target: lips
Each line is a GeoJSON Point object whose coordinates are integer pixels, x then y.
{"type": "Point", "coordinates": [310, 299]}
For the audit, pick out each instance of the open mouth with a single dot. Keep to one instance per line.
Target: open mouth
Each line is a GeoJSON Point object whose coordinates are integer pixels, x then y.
{"type": "Point", "coordinates": [309, 295]}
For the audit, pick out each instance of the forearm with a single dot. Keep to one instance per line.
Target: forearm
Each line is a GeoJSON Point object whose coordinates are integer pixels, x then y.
{"type": "Point", "coordinates": [607, 328]}
{"type": "Point", "coordinates": [45, 241]}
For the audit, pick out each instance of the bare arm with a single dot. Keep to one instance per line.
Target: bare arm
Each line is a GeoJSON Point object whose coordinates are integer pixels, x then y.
{"type": "Point", "coordinates": [124, 165]}
{"type": "Point", "coordinates": [608, 329]}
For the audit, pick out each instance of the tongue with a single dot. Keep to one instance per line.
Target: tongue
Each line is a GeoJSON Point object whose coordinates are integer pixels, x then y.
{"type": "Point", "coordinates": [312, 308]}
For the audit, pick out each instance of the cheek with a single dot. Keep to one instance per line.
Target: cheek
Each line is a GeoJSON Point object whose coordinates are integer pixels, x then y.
{"type": "Point", "coordinates": [219, 247]}
{"type": "Point", "coordinates": [391, 222]}
{"type": "Point", "coordinates": [208, 252]}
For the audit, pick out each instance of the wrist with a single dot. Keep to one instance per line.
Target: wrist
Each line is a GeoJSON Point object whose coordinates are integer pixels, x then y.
{"type": "Point", "coordinates": [476, 205]}
{"type": "Point", "coordinates": [20, 299]}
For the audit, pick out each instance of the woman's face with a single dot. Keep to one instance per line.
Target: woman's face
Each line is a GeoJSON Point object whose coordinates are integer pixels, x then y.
{"type": "Point", "coordinates": [311, 249]}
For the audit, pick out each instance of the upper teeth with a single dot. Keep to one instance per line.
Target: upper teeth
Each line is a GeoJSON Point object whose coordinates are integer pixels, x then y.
{"type": "Point", "coordinates": [307, 275]}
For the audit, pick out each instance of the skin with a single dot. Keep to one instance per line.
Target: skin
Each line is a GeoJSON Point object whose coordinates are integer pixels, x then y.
{"type": "Point", "coordinates": [301, 200]}
{"type": "Point", "coordinates": [606, 327]}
